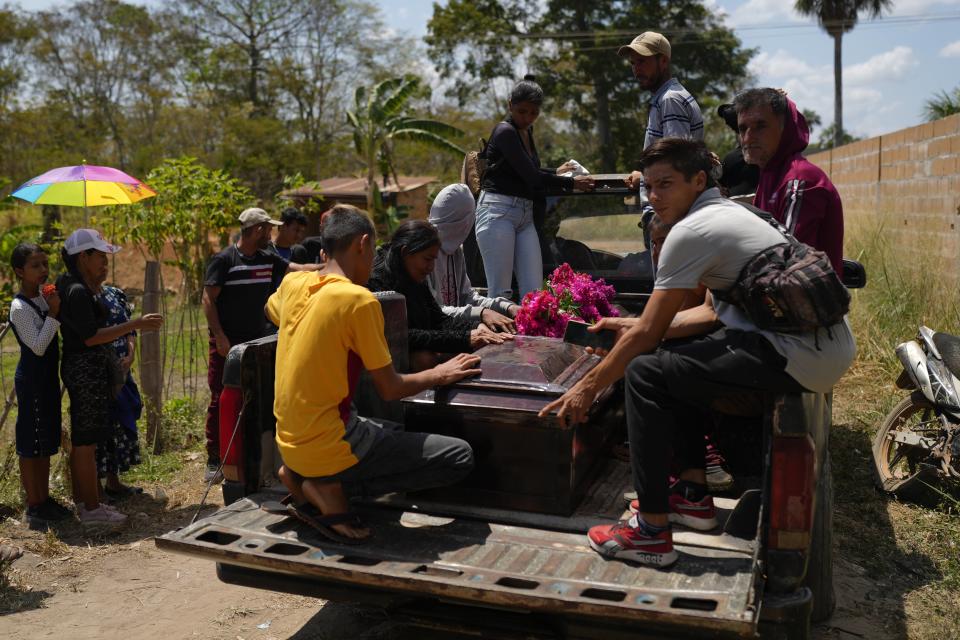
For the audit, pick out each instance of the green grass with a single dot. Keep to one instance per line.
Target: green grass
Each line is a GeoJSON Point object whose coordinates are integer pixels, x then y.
{"type": "Point", "coordinates": [155, 468]}
{"type": "Point", "coordinates": [185, 366]}
{"type": "Point", "coordinates": [912, 550]}
{"type": "Point", "coordinates": [613, 228]}
{"type": "Point", "coordinates": [898, 298]}
{"type": "Point", "coordinates": [182, 426]}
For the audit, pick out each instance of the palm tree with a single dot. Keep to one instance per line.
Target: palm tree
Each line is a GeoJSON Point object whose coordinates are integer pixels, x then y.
{"type": "Point", "coordinates": [942, 104]}
{"type": "Point", "coordinates": [837, 17]}
{"type": "Point", "coordinates": [377, 120]}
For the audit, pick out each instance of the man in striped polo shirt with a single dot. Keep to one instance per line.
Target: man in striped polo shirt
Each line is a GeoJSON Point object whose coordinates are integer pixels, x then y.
{"type": "Point", "coordinates": [674, 113]}
{"type": "Point", "coordinates": [238, 282]}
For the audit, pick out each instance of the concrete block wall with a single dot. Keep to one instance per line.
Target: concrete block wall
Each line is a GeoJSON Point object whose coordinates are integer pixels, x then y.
{"type": "Point", "coordinates": [908, 182]}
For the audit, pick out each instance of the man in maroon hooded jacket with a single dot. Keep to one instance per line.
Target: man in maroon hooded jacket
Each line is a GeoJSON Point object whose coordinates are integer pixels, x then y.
{"type": "Point", "coordinates": [795, 191]}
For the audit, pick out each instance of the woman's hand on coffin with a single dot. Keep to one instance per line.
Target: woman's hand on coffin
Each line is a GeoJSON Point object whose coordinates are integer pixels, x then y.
{"type": "Point", "coordinates": [482, 336]}
{"type": "Point", "coordinates": [497, 322]}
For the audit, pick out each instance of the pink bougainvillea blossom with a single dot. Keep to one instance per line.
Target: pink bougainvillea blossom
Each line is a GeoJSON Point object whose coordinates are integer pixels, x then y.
{"type": "Point", "coordinates": [568, 295]}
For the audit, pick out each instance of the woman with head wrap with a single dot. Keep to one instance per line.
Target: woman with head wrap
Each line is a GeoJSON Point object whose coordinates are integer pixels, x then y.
{"type": "Point", "coordinates": [453, 214]}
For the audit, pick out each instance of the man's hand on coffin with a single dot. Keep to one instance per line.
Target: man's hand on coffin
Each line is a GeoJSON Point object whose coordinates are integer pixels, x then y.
{"type": "Point", "coordinates": [457, 368]}
{"type": "Point", "coordinates": [573, 406]}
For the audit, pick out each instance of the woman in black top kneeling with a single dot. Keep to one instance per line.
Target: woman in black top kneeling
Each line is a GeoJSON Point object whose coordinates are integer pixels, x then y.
{"type": "Point", "coordinates": [402, 265]}
{"type": "Point", "coordinates": [512, 183]}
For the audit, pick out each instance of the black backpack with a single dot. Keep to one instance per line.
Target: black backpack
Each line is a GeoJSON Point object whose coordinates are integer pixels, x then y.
{"type": "Point", "coordinates": [789, 287]}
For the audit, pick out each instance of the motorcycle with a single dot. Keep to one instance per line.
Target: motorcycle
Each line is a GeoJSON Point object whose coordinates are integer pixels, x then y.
{"type": "Point", "coordinates": [918, 442]}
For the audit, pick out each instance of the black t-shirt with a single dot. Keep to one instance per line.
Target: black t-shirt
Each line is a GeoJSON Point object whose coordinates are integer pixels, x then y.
{"type": "Point", "coordinates": [739, 177]}
{"type": "Point", "coordinates": [245, 284]}
{"type": "Point", "coordinates": [312, 246]}
{"type": "Point", "coordinates": [294, 253]}
{"type": "Point", "coordinates": [81, 316]}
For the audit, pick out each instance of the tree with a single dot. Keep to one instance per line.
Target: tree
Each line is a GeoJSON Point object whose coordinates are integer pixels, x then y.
{"type": "Point", "coordinates": [572, 48]}
{"type": "Point", "coordinates": [582, 68]}
{"type": "Point", "coordinates": [96, 61]}
{"type": "Point", "coordinates": [313, 75]}
{"type": "Point", "coordinates": [828, 138]}
{"type": "Point", "coordinates": [378, 120]}
{"type": "Point", "coordinates": [838, 17]}
{"type": "Point", "coordinates": [941, 105]}
{"type": "Point", "coordinates": [192, 204]}
{"type": "Point", "coordinates": [15, 32]}
{"type": "Point", "coordinates": [257, 28]}
{"type": "Point", "coordinates": [476, 43]}
{"type": "Point", "coordinates": [813, 119]}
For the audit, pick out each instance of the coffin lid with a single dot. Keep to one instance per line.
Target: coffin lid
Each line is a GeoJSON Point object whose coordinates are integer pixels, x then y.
{"type": "Point", "coordinates": [542, 366]}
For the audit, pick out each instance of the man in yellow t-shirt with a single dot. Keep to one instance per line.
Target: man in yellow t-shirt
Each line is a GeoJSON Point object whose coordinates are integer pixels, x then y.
{"type": "Point", "coordinates": [331, 326]}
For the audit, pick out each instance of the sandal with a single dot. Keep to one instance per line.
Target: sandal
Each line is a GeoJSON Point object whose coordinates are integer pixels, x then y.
{"type": "Point", "coordinates": [9, 553]}
{"type": "Point", "coordinates": [322, 524]}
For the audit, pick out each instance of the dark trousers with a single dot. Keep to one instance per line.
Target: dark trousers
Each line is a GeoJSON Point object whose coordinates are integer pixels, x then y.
{"type": "Point", "coordinates": [669, 392]}
{"type": "Point", "coordinates": [215, 382]}
{"type": "Point", "coordinates": [399, 461]}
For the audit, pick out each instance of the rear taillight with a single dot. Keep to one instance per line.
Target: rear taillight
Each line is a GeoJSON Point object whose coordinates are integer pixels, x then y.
{"type": "Point", "coordinates": [792, 492]}
{"type": "Point", "coordinates": [231, 403]}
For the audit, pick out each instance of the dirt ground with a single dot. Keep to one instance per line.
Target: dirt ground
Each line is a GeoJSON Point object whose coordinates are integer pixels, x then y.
{"type": "Point", "coordinates": [123, 587]}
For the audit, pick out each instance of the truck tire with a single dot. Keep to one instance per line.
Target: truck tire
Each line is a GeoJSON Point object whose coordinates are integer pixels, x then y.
{"type": "Point", "coordinates": [819, 578]}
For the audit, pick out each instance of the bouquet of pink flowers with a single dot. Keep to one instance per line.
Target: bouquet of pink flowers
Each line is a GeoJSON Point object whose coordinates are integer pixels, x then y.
{"type": "Point", "coordinates": [568, 295]}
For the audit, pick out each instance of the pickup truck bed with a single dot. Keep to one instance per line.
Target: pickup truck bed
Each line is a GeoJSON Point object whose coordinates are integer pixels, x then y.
{"type": "Point", "coordinates": [533, 567]}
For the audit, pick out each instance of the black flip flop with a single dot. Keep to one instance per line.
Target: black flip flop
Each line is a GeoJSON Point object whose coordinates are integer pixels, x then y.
{"type": "Point", "coordinates": [322, 524]}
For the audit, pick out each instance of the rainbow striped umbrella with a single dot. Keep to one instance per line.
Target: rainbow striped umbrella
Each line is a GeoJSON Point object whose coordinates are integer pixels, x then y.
{"type": "Point", "coordinates": [84, 185]}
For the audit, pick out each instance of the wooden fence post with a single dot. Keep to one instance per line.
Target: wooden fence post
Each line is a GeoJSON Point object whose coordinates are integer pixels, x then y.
{"type": "Point", "coordinates": [151, 361]}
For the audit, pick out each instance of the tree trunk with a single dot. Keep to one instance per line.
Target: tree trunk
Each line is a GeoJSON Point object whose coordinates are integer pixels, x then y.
{"type": "Point", "coordinates": [151, 359]}
{"type": "Point", "coordinates": [51, 223]}
{"type": "Point", "coordinates": [371, 180]}
{"type": "Point", "coordinates": [837, 89]}
{"type": "Point", "coordinates": [252, 88]}
{"type": "Point", "coordinates": [608, 151]}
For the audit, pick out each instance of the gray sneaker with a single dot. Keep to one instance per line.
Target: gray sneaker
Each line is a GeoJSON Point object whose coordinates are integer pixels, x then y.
{"type": "Point", "coordinates": [718, 479]}
{"type": "Point", "coordinates": [103, 518]}
{"type": "Point", "coordinates": [213, 475]}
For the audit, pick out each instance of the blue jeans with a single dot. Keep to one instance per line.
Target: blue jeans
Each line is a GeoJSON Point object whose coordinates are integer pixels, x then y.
{"type": "Point", "coordinates": [508, 244]}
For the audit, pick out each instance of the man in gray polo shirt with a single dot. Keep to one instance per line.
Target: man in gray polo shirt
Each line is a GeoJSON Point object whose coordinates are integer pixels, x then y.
{"type": "Point", "coordinates": [713, 351]}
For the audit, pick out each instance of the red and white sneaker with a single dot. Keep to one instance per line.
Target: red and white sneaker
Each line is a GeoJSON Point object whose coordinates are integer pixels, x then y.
{"type": "Point", "coordinates": [701, 515]}
{"type": "Point", "coordinates": [626, 541]}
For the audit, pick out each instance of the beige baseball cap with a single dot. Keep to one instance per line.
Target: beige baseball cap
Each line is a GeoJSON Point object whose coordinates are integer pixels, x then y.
{"type": "Point", "coordinates": [648, 43]}
{"type": "Point", "coordinates": [253, 216]}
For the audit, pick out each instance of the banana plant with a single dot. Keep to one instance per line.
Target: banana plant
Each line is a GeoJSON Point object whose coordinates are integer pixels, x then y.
{"type": "Point", "coordinates": [379, 118]}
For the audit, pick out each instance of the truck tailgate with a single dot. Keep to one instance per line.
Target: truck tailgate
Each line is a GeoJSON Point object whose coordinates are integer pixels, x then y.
{"type": "Point", "coordinates": [494, 563]}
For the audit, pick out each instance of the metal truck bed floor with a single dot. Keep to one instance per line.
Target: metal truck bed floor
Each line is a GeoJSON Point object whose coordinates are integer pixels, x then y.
{"type": "Point", "coordinates": [491, 564]}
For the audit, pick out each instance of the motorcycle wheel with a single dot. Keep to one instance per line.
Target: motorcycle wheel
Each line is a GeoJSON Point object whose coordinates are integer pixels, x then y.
{"type": "Point", "coordinates": [903, 469]}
